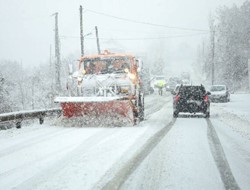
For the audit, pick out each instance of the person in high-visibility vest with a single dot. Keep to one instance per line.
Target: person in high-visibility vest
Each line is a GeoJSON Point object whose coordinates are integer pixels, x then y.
{"type": "Point", "coordinates": [160, 85]}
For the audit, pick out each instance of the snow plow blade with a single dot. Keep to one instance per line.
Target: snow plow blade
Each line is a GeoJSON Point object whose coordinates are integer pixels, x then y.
{"type": "Point", "coordinates": [96, 107]}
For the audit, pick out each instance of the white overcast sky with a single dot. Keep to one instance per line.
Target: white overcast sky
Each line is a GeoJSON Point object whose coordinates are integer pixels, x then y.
{"type": "Point", "coordinates": [26, 26]}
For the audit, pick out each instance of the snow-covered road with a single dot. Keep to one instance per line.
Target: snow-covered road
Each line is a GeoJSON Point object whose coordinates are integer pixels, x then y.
{"type": "Point", "coordinates": [159, 153]}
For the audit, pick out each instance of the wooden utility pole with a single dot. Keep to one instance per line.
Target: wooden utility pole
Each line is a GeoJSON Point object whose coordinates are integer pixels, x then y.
{"type": "Point", "coordinates": [57, 55]}
{"type": "Point", "coordinates": [97, 40]}
{"type": "Point", "coordinates": [81, 32]}
{"type": "Point", "coordinates": [51, 68]}
{"type": "Point", "coordinates": [249, 74]}
{"type": "Point", "coordinates": [213, 49]}
{"type": "Point", "coordinates": [50, 57]}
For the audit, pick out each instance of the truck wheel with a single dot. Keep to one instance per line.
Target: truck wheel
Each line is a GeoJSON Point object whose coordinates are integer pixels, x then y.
{"type": "Point", "coordinates": [141, 113]}
{"type": "Point", "coordinates": [18, 124]}
{"type": "Point", "coordinates": [175, 114]}
{"type": "Point", "coordinates": [141, 107]}
{"type": "Point", "coordinates": [207, 114]}
{"type": "Point", "coordinates": [41, 120]}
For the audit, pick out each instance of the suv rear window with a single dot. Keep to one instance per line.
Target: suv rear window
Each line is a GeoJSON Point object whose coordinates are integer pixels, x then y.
{"type": "Point", "coordinates": [196, 91]}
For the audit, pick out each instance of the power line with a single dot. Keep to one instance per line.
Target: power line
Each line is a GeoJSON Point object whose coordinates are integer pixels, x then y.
{"type": "Point", "coordinates": [126, 31]}
{"type": "Point", "coordinates": [155, 38]}
{"type": "Point", "coordinates": [146, 23]}
{"type": "Point", "coordinates": [149, 38]}
{"type": "Point", "coordinates": [84, 35]}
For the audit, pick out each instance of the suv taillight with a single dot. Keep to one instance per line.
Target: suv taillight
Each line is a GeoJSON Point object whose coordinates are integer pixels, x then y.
{"type": "Point", "coordinates": [177, 98]}
{"type": "Point", "coordinates": [206, 98]}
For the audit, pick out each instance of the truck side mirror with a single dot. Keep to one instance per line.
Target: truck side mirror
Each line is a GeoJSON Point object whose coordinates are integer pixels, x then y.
{"type": "Point", "coordinates": [139, 65]}
{"type": "Point", "coordinates": [70, 69]}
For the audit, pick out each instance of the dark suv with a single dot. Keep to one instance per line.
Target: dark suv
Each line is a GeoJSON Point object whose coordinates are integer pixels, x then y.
{"type": "Point", "coordinates": [191, 99]}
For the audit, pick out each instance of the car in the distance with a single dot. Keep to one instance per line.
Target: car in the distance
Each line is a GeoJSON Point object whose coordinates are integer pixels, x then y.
{"type": "Point", "coordinates": [219, 93]}
{"type": "Point", "coordinates": [191, 99]}
{"type": "Point", "coordinates": [172, 82]}
{"type": "Point", "coordinates": [176, 89]}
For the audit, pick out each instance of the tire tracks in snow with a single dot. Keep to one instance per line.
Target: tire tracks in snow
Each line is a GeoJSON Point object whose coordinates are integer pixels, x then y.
{"type": "Point", "coordinates": [120, 176]}
{"type": "Point", "coordinates": [220, 158]}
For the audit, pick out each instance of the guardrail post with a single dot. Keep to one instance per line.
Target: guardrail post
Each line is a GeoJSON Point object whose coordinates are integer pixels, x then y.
{"type": "Point", "coordinates": [41, 120]}
{"type": "Point", "coordinates": [18, 124]}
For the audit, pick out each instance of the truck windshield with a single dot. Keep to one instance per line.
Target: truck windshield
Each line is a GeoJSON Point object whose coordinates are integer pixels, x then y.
{"type": "Point", "coordinates": [106, 65]}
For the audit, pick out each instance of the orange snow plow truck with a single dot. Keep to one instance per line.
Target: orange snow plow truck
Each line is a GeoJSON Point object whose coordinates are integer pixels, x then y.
{"type": "Point", "coordinates": [105, 85]}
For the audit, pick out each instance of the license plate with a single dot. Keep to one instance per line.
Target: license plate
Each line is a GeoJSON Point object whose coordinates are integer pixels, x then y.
{"type": "Point", "coordinates": [194, 101]}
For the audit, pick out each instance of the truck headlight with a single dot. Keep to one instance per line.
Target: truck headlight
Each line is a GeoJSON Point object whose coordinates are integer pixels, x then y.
{"type": "Point", "coordinates": [125, 89]}
{"type": "Point", "coordinates": [131, 76]}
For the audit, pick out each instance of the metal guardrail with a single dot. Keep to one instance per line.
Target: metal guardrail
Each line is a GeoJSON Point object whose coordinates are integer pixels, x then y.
{"type": "Point", "coordinates": [18, 117]}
